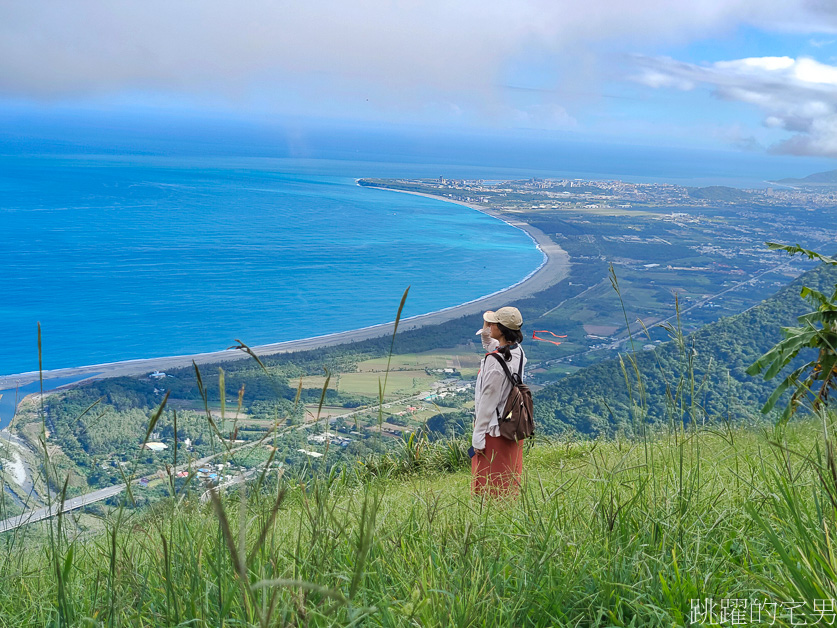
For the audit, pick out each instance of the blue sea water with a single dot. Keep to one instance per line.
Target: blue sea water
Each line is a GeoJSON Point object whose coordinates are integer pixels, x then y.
{"type": "Point", "coordinates": [122, 257]}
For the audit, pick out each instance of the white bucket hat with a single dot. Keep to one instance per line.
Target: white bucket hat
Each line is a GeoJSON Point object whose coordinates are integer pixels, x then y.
{"type": "Point", "coordinates": [506, 316]}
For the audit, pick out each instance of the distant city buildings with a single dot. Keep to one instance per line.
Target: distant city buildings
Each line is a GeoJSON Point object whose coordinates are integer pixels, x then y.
{"type": "Point", "coordinates": [621, 194]}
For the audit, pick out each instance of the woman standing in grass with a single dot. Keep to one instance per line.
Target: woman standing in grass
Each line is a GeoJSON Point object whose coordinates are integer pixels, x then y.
{"type": "Point", "coordinates": [497, 463]}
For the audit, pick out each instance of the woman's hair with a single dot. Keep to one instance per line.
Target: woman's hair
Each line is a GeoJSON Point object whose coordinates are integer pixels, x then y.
{"type": "Point", "coordinates": [511, 336]}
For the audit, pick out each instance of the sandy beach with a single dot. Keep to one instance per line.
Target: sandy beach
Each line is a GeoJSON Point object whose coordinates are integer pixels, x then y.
{"type": "Point", "coordinates": [554, 269]}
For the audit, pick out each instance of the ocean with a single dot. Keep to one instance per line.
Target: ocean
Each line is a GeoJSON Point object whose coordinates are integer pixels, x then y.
{"type": "Point", "coordinates": [123, 257]}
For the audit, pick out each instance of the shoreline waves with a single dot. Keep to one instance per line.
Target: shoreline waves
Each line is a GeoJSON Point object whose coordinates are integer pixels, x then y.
{"type": "Point", "coordinates": [552, 270]}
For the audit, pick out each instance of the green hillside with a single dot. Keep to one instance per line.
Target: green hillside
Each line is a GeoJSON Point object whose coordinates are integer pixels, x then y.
{"type": "Point", "coordinates": [711, 362]}
{"type": "Point", "coordinates": [719, 193]}
{"type": "Point", "coordinates": [818, 178]}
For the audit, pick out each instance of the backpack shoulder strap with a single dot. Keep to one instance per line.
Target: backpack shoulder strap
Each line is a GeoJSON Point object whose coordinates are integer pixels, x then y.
{"type": "Point", "coordinates": [502, 362]}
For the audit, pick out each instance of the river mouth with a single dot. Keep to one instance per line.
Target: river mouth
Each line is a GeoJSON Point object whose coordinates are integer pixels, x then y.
{"type": "Point", "coordinates": [11, 397]}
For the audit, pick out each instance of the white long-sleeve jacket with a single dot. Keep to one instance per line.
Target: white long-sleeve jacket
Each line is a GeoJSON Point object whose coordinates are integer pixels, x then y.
{"type": "Point", "coordinates": [491, 391]}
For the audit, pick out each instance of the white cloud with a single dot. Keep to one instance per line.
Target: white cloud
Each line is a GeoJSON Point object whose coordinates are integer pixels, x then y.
{"type": "Point", "coordinates": [771, 64]}
{"type": "Point", "coordinates": [393, 60]}
{"type": "Point", "coordinates": [819, 138]}
{"type": "Point", "coordinates": [797, 95]}
{"type": "Point", "coordinates": [551, 117]}
{"type": "Point", "coordinates": [395, 51]}
{"type": "Point", "coordinates": [739, 137]}
{"type": "Point", "coordinates": [811, 71]}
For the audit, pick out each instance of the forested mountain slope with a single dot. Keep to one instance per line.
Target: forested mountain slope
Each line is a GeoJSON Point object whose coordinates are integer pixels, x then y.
{"type": "Point", "coordinates": [712, 361]}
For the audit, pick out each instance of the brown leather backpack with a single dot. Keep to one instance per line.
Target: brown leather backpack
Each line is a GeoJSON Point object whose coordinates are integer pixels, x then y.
{"type": "Point", "coordinates": [517, 420]}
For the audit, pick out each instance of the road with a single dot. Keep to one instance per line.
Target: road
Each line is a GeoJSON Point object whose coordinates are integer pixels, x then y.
{"type": "Point", "coordinates": [74, 503]}
{"type": "Point", "coordinates": [625, 335]}
{"type": "Point", "coordinates": [31, 516]}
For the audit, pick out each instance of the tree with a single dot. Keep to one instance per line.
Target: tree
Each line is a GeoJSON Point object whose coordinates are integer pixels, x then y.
{"type": "Point", "coordinates": [817, 330]}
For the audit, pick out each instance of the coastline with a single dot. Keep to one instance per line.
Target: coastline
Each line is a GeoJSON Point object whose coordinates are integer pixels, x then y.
{"type": "Point", "coordinates": [554, 268]}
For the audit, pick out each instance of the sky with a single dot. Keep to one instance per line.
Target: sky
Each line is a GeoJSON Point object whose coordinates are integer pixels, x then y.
{"type": "Point", "coordinates": [743, 75]}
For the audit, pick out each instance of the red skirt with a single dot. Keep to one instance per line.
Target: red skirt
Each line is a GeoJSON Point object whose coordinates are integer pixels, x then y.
{"type": "Point", "coordinates": [497, 471]}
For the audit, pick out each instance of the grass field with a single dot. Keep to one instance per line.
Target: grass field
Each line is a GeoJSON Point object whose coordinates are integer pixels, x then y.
{"type": "Point", "coordinates": [407, 374]}
{"type": "Point", "coordinates": [399, 383]}
{"type": "Point", "coordinates": [429, 359]}
{"type": "Point", "coordinates": [312, 410]}
{"type": "Point", "coordinates": [620, 533]}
